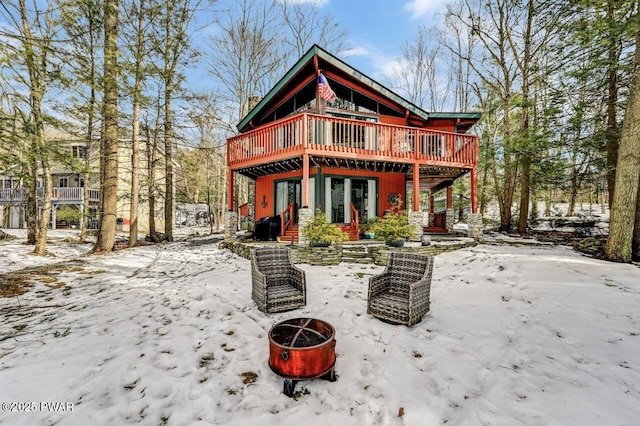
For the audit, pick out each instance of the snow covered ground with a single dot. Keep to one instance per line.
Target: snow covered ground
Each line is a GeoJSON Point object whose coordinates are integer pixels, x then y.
{"type": "Point", "coordinates": [517, 335]}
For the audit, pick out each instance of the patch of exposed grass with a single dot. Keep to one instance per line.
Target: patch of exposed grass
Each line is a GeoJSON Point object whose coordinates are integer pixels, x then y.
{"type": "Point", "coordinates": [205, 360]}
{"type": "Point", "coordinates": [249, 377]}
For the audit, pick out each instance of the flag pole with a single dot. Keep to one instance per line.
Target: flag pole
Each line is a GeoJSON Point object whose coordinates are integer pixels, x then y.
{"type": "Point", "coordinates": [318, 105]}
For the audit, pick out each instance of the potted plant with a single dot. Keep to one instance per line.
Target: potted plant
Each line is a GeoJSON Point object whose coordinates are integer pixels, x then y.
{"type": "Point", "coordinates": [394, 228]}
{"type": "Point", "coordinates": [367, 225]}
{"type": "Point", "coordinates": [320, 233]}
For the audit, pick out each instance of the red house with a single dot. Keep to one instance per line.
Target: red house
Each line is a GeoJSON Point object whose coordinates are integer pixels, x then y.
{"type": "Point", "coordinates": [329, 137]}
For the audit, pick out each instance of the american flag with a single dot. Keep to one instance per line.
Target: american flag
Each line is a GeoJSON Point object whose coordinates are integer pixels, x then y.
{"type": "Point", "coordinates": [324, 90]}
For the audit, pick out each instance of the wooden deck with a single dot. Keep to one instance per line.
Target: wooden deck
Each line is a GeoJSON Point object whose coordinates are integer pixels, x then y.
{"type": "Point", "coordinates": [59, 195]}
{"type": "Point", "coordinates": [361, 142]}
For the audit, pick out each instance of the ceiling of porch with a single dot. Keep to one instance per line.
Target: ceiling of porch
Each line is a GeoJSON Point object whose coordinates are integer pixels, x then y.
{"type": "Point", "coordinates": [430, 175]}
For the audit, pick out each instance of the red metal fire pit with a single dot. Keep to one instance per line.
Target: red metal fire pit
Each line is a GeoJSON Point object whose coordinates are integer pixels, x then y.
{"type": "Point", "coordinates": [302, 349]}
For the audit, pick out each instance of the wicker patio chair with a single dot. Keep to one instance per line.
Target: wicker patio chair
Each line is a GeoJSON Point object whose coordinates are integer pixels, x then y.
{"type": "Point", "coordinates": [277, 285]}
{"type": "Point", "coordinates": [400, 294]}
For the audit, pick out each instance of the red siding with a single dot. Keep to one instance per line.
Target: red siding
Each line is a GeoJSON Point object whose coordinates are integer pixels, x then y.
{"type": "Point", "coordinates": [444, 125]}
{"type": "Point", "coordinates": [398, 121]}
{"type": "Point", "coordinates": [265, 188]}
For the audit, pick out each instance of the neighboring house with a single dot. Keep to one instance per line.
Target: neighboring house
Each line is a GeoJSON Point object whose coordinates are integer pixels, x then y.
{"type": "Point", "coordinates": [68, 186]}
{"type": "Point", "coordinates": [67, 192]}
{"type": "Point", "coordinates": [124, 189]}
{"type": "Point", "coordinates": [350, 149]}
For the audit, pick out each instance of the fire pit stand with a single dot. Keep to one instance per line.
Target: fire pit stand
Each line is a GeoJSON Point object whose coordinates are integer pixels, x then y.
{"type": "Point", "coordinates": [302, 349]}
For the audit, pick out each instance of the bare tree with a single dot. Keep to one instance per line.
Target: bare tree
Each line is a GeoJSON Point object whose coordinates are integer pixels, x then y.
{"type": "Point", "coordinates": [35, 37]}
{"type": "Point", "coordinates": [174, 51]}
{"type": "Point", "coordinates": [418, 71]}
{"type": "Point", "coordinates": [209, 157]}
{"type": "Point", "coordinates": [139, 19]}
{"type": "Point", "coordinates": [490, 24]}
{"type": "Point", "coordinates": [307, 26]}
{"type": "Point", "coordinates": [82, 21]}
{"type": "Point", "coordinates": [246, 52]}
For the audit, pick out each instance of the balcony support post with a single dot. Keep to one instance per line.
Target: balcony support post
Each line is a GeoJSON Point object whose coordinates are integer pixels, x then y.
{"type": "Point", "coordinates": [230, 189]}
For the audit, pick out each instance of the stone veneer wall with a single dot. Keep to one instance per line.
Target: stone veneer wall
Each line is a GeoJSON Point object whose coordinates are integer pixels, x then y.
{"type": "Point", "coordinates": [450, 220]}
{"type": "Point", "coordinates": [474, 222]}
{"type": "Point", "coordinates": [332, 255]}
{"type": "Point", "coordinates": [415, 220]}
{"type": "Point", "coordinates": [380, 254]}
{"type": "Point", "coordinates": [230, 221]}
{"type": "Point", "coordinates": [304, 217]}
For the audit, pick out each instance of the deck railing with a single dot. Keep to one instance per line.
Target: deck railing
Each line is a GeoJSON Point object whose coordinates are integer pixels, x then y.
{"type": "Point", "coordinates": [355, 219]}
{"type": "Point", "coordinates": [328, 135]}
{"type": "Point", "coordinates": [287, 218]}
{"type": "Point", "coordinates": [58, 194]}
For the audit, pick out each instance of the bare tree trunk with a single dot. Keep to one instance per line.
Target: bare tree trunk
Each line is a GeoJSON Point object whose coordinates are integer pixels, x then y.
{"type": "Point", "coordinates": [636, 231]}
{"type": "Point", "coordinates": [625, 197]}
{"type": "Point", "coordinates": [523, 218]}
{"type": "Point", "coordinates": [41, 237]}
{"type": "Point", "coordinates": [32, 201]}
{"type": "Point", "coordinates": [109, 145]}
{"type": "Point", "coordinates": [135, 176]}
{"type": "Point", "coordinates": [524, 65]}
{"type": "Point", "coordinates": [168, 147]}
{"type": "Point", "coordinates": [37, 68]}
{"type": "Point", "coordinates": [152, 142]}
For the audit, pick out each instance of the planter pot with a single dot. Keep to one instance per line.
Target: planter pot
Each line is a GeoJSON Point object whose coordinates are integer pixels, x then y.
{"type": "Point", "coordinates": [426, 240]}
{"type": "Point", "coordinates": [398, 242]}
{"type": "Point", "coordinates": [369, 235]}
{"type": "Point", "coordinates": [320, 243]}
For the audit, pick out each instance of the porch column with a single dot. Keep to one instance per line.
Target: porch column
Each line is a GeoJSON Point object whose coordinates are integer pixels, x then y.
{"type": "Point", "coordinates": [230, 194]}
{"type": "Point", "coordinates": [305, 180]}
{"type": "Point", "coordinates": [449, 219]}
{"type": "Point", "coordinates": [416, 187]}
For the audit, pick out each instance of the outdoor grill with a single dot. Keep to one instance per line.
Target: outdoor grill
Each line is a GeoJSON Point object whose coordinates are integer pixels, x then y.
{"type": "Point", "coordinates": [302, 349]}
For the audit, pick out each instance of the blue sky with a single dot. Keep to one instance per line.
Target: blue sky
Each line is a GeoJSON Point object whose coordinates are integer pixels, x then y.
{"type": "Point", "coordinates": [379, 28]}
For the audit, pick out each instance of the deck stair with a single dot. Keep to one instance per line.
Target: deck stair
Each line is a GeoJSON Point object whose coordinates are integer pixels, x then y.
{"type": "Point", "coordinates": [292, 231]}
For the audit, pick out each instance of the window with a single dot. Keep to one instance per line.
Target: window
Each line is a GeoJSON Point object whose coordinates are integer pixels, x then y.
{"type": "Point", "coordinates": [63, 182]}
{"type": "Point", "coordinates": [79, 152]}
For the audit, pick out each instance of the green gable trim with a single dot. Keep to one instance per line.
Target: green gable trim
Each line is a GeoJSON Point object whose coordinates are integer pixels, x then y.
{"type": "Point", "coordinates": [468, 115]}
